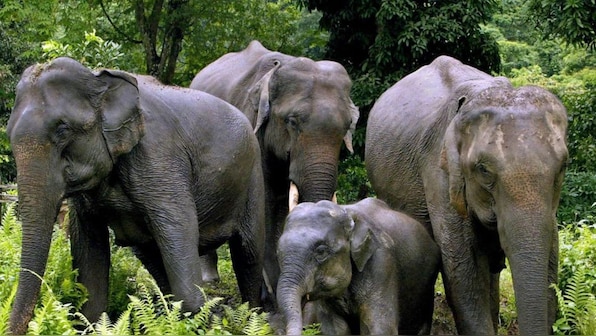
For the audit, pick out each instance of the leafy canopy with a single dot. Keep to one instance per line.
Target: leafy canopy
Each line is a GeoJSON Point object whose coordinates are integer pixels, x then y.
{"type": "Point", "coordinates": [389, 36]}
{"type": "Point", "coordinates": [572, 20]}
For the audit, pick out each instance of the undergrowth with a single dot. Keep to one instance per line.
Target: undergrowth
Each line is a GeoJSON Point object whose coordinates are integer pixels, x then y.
{"type": "Point", "coordinates": [136, 301]}
{"type": "Point", "coordinates": [137, 306]}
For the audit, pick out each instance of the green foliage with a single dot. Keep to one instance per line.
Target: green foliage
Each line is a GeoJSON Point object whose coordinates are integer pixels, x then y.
{"type": "Point", "coordinates": [245, 321]}
{"type": "Point", "coordinates": [399, 36]}
{"type": "Point", "coordinates": [154, 314]}
{"type": "Point", "coordinates": [147, 310]}
{"type": "Point", "coordinates": [516, 55]}
{"type": "Point", "coordinates": [577, 306]}
{"type": "Point", "coordinates": [507, 310]}
{"type": "Point", "coordinates": [51, 317]}
{"type": "Point", "coordinates": [126, 272]}
{"type": "Point", "coordinates": [574, 21]}
{"type": "Point", "coordinates": [576, 252]}
{"type": "Point", "coordinates": [93, 51]}
{"type": "Point", "coordinates": [578, 198]}
{"type": "Point", "coordinates": [105, 327]}
{"type": "Point", "coordinates": [352, 181]}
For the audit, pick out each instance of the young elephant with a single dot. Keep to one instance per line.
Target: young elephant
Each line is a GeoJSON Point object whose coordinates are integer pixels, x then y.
{"type": "Point", "coordinates": [371, 268]}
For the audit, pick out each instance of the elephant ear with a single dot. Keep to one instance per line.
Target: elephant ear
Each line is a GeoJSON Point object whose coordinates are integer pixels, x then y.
{"type": "Point", "coordinates": [450, 163]}
{"type": "Point", "coordinates": [122, 121]}
{"type": "Point", "coordinates": [259, 96]}
{"type": "Point", "coordinates": [355, 114]}
{"type": "Point", "coordinates": [363, 244]}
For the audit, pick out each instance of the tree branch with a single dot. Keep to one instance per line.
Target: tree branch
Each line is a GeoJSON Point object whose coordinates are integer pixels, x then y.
{"type": "Point", "coordinates": [118, 30]}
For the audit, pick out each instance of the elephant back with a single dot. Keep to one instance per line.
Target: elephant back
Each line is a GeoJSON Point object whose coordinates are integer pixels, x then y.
{"type": "Point", "coordinates": [230, 76]}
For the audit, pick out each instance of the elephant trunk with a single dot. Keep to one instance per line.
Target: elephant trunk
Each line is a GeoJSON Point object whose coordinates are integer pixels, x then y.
{"type": "Point", "coordinates": [316, 176]}
{"type": "Point", "coordinates": [39, 203]}
{"type": "Point", "coordinates": [528, 244]}
{"type": "Point", "coordinates": [291, 288]}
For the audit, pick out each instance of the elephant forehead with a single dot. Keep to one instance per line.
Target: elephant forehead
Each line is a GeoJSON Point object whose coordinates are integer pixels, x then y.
{"type": "Point", "coordinates": [535, 140]}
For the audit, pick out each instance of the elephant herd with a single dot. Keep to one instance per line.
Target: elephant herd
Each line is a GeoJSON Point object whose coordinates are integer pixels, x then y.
{"type": "Point", "coordinates": [467, 171]}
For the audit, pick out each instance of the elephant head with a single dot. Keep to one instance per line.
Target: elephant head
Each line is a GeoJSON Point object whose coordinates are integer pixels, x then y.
{"type": "Point", "coordinates": [304, 112]}
{"type": "Point", "coordinates": [316, 251]}
{"type": "Point", "coordinates": [505, 155]}
{"type": "Point", "coordinates": [67, 130]}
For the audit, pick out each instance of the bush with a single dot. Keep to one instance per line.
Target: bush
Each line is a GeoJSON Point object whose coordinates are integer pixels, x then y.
{"type": "Point", "coordinates": [352, 181]}
{"type": "Point", "coordinates": [578, 198]}
{"type": "Point", "coordinates": [576, 289]}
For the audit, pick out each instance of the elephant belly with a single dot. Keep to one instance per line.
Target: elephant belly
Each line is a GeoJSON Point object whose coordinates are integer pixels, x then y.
{"type": "Point", "coordinates": [213, 234]}
{"type": "Point", "coordinates": [126, 221]}
{"type": "Point", "coordinates": [129, 231]}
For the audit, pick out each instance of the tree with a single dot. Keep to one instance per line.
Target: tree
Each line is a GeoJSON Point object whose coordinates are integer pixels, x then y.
{"type": "Point", "coordinates": [398, 36]}
{"type": "Point", "coordinates": [180, 37]}
{"type": "Point", "coordinates": [161, 25]}
{"type": "Point", "coordinates": [572, 20]}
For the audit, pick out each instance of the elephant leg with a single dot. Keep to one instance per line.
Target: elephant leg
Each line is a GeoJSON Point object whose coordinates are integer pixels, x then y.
{"type": "Point", "coordinates": [209, 266]}
{"type": "Point", "coordinates": [176, 231]}
{"type": "Point", "coordinates": [276, 211]}
{"type": "Point", "coordinates": [151, 258]}
{"type": "Point", "coordinates": [379, 317]}
{"type": "Point", "coordinates": [466, 276]}
{"type": "Point", "coordinates": [332, 323]}
{"type": "Point", "coordinates": [495, 299]}
{"type": "Point", "coordinates": [90, 249]}
{"type": "Point", "coordinates": [248, 266]}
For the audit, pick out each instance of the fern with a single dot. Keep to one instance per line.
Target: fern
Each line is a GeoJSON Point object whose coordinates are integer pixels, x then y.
{"type": "Point", "coordinates": [52, 317]}
{"type": "Point", "coordinates": [143, 312]}
{"type": "Point", "coordinates": [203, 321]}
{"type": "Point", "coordinates": [577, 306]}
{"type": "Point", "coordinates": [245, 321]}
{"type": "Point", "coordinates": [105, 327]}
{"type": "Point", "coordinates": [257, 324]}
{"type": "Point", "coordinates": [5, 310]}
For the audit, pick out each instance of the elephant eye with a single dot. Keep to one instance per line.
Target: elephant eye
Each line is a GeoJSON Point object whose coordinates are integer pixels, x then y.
{"type": "Point", "coordinates": [61, 133]}
{"type": "Point", "coordinates": [322, 252]}
{"type": "Point", "coordinates": [485, 175]}
{"type": "Point", "coordinates": [292, 122]}
{"type": "Point", "coordinates": [481, 168]}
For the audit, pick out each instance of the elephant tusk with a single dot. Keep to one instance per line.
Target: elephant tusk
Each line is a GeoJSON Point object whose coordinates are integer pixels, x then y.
{"type": "Point", "coordinates": [293, 199]}
{"type": "Point", "coordinates": [334, 198]}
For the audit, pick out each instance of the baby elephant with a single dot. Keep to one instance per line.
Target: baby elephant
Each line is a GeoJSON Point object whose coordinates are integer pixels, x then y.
{"type": "Point", "coordinates": [372, 269]}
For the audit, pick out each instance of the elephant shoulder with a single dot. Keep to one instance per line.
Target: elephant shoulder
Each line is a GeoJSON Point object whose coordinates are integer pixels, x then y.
{"type": "Point", "coordinates": [453, 72]}
{"type": "Point", "coordinates": [254, 49]}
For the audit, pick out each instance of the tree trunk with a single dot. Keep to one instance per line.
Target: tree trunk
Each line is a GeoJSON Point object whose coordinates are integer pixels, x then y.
{"type": "Point", "coordinates": [161, 63]}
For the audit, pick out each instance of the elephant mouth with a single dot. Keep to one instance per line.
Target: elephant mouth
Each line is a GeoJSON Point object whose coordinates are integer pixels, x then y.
{"type": "Point", "coordinates": [294, 196]}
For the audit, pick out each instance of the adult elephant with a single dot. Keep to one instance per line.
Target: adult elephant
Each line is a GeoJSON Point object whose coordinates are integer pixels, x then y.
{"type": "Point", "coordinates": [481, 164]}
{"type": "Point", "coordinates": [174, 172]}
{"type": "Point", "coordinates": [300, 110]}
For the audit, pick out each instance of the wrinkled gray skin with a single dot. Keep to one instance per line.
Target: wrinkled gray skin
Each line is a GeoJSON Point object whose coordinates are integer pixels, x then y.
{"type": "Point", "coordinates": [371, 269]}
{"type": "Point", "coordinates": [301, 111]}
{"type": "Point", "coordinates": [481, 165]}
{"type": "Point", "coordinates": [174, 172]}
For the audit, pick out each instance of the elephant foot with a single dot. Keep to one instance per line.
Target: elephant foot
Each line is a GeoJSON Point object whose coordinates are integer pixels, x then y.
{"type": "Point", "coordinates": [209, 267]}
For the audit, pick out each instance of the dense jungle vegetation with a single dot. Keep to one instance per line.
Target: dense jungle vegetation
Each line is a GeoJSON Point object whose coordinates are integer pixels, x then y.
{"type": "Point", "coordinates": [550, 43]}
